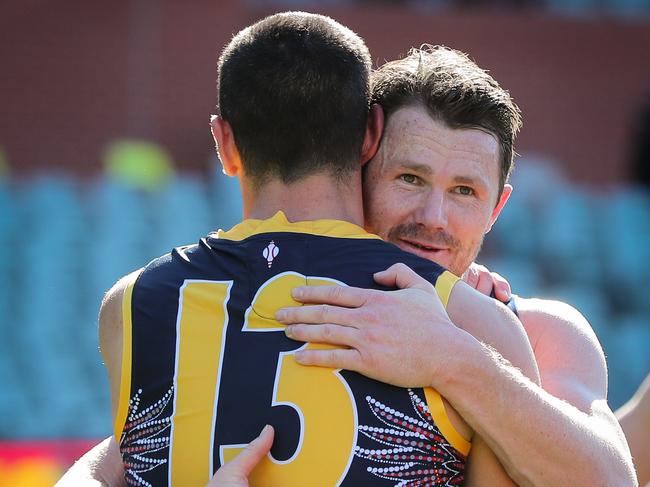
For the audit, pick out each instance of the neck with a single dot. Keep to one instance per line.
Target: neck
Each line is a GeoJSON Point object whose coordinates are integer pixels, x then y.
{"type": "Point", "coordinates": [316, 197]}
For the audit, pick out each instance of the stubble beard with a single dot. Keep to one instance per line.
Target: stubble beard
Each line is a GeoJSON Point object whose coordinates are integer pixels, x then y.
{"type": "Point", "coordinates": [458, 264]}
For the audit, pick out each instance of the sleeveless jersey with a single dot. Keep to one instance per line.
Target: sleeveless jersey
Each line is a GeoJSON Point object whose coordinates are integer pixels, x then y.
{"type": "Point", "coordinates": [205, 366]}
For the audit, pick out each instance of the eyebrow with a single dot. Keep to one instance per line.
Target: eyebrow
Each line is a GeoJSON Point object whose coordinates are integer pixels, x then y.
{"type": "Point", "coordinates": [414, 166]}
{"type": "Point", "coordinates": [470, 180]}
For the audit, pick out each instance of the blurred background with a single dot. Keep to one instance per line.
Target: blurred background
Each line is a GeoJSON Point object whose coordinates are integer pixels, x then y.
{"type": "Point", "coordinates": [106, 161]}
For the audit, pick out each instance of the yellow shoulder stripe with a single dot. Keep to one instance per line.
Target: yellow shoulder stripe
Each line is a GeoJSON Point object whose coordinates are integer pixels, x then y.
{"type": "Point", "coordinates": [125, 374]}
{"type": "Point", "coordinates": [439, 415]}
{"type": "Point", "coordinates": [445, 283]}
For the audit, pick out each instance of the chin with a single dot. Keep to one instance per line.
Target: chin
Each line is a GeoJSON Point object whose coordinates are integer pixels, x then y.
{"type": "Point", "coordinates": [456, 272]}
{"type": "Point", "coordinates": [449, 264]}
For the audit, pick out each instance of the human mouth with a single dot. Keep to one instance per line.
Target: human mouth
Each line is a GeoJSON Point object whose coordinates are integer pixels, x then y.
{"type": "Point", "coordinates": [430, 252]}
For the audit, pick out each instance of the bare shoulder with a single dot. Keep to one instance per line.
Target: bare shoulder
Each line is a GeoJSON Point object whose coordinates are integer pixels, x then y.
{"type": "Point", "coordinates": [110, 333]}
{"type": "Point", "coordinates": [557, 327]}
{"type": "Point", "coordinates": [110, 312]}
{"type": "Point", "coordinates": [550, 317]}
{"type": "Point", "coordinates": [566, 348]}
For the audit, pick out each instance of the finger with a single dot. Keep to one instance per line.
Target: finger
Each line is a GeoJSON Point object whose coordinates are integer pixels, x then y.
{"type": "Point", "coordinates": [338, 358]}
{"type": "Point", "coordinates": [470, 276]}
{"type": "Point", "coordinates": [317, 314]}
{"type": "Point", "coordinates": [502, 289]}
{"type": "Point", "coordinates": [248, 459]}
{"type": "Point", "coordinates": [402, 276]}
{"type": "Point", "coordinates": [328, 333]}
{"type": "Point", "coordinates": [350, 297]}
{"type": "Point", "coordinates": [485, 283]}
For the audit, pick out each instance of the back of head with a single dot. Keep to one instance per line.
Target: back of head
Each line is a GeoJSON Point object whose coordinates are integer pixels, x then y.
{"type": "Point", "coordinates": [455, 91]}
{"type": "Point", "coordinates": [295, 89]}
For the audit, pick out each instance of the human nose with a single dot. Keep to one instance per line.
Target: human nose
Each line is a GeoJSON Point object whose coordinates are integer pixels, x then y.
{"type": "Point", "coordinates": [432, 213]}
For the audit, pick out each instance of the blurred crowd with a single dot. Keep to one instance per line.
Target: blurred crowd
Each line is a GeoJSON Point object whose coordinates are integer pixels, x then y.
{"type": "Point", "coordinates": [65, 242]}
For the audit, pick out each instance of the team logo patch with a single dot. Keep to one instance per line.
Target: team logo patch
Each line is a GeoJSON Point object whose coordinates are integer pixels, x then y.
{"type": "Point", "coordinates": [270, 252]}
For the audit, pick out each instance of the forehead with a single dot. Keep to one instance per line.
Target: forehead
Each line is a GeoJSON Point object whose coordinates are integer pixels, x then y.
{"type": "Point", "coordinates": [411, 136]}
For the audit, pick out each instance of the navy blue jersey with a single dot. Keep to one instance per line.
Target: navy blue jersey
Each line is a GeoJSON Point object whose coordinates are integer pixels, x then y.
{"type": "Point", "coordinates": [206, 366]}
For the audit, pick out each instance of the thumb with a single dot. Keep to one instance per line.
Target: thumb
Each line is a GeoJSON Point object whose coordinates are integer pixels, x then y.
{"type": "Point", "coordinates": [236, 471]}
{"type": "Point", "coordinates": [403, 277]}
{"type": "Point", "coordinates": [248, 459]}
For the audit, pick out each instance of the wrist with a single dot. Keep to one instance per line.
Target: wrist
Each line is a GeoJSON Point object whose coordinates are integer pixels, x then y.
{"type": "Point", "coordinates": [464, 355]}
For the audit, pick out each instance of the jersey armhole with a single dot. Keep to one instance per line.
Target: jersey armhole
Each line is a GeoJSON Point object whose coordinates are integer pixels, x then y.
{"type": "Point", "coordinates": [444, 284]}
{"type": "Point", "coordinates": [442, 421]}
{"type": "Point", "coordinates": [125, 369]}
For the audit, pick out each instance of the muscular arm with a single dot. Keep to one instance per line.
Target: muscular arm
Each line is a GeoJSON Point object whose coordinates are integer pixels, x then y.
{"type": "Point", "coordinates": [102, 465]}
{"type": "Point", "coordinates": [543, 436]}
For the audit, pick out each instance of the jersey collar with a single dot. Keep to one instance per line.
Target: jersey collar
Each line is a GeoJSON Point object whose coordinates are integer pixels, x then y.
{"type": "Point", "coordinates": [279, 223]}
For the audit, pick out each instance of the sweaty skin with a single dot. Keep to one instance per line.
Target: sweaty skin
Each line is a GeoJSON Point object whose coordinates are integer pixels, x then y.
{"type": "Point", "coordinates": [434, 191]}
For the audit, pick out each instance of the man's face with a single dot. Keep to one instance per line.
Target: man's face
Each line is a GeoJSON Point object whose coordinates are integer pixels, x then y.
{"type": "Point", "coordinates": [432, 190]}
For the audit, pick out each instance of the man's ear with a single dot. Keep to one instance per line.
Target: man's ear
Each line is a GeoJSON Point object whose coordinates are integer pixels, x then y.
{"type": "Point", "coordinates": [505, 196]}
{"type": "Point", "coordinates": [226, 147]}
{"type": "Point", "coordinates": [374, 130]}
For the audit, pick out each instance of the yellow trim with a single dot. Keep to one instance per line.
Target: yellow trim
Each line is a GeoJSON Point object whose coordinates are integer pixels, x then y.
{"type": "Point", "coordinates": [279, 223]}
{"type": "Point", "coordinates": [444, 284]}
{"type": "Point", "coordinates": [125, 369]}
{"type": "Point", "coordinates": [439, 414]}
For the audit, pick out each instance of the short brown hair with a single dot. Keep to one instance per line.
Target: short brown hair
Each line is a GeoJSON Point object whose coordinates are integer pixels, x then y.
{"type": "Point", "coordinates": [455, 91]}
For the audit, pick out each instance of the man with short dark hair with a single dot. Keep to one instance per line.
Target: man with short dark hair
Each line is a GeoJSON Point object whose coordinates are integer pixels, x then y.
{"type": "Point", "coordinates": [279, 77]}
{"type": "Point", "coordinates": [198, 361]}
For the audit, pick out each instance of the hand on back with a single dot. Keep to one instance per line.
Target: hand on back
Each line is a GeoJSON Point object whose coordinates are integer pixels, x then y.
{"type": "Point", "coordinates": [401, 337]}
